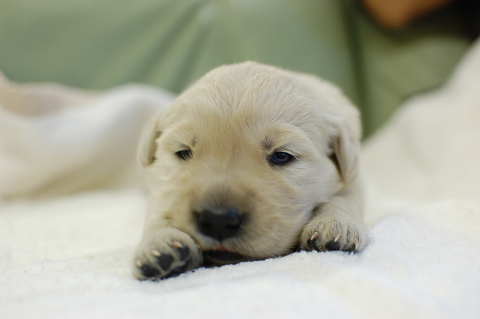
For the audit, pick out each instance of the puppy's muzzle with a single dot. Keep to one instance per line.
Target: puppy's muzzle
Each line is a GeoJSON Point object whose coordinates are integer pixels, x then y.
{"type": "Point", "coordinates": [220, 222]}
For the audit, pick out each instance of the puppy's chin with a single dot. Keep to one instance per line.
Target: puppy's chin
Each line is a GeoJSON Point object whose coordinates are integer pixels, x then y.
{"type": "Point", "coordinates": [221, 257]}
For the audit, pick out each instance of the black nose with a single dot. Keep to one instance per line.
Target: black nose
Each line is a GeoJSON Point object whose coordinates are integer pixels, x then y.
{"type": "Point", "coordinates": [219, 223]}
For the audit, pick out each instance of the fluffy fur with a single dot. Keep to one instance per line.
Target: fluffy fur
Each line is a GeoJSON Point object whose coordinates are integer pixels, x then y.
{"type": "Point", "coordinates": [230, 123]}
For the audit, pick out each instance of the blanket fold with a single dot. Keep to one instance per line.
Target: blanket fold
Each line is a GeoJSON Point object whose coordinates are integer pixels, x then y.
{"type": "Point", "coordinates": [56, 140]}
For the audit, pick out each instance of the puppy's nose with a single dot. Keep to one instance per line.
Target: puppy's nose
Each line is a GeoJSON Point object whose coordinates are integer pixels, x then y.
{"type": "Point", "coordinates": [219, 223]}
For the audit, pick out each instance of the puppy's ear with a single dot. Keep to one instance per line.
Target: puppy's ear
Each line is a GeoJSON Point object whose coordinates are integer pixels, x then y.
{"type": "Point", "coordinates": [345, 151]}
{"type": "Point", "coordinates": [147, 147]}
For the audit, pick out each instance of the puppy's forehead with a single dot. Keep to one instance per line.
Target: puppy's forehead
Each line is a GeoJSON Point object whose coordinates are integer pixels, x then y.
{"type": "Point", "coordinates": [245, 95]}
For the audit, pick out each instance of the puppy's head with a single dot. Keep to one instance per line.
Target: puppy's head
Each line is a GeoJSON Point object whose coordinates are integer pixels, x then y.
{"type": "Point", "coordinates": [241, 159]}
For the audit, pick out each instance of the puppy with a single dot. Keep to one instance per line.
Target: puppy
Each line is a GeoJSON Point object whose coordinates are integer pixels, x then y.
{"type": "Point", "coordinates": [248, 163]}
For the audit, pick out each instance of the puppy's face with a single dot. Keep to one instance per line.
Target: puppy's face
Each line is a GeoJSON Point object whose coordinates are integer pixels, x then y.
{"type": "Point", "coordinates": [239, 162]}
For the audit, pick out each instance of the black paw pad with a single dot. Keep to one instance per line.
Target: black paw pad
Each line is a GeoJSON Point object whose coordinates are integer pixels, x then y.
{"type": "Point", "coordinates": [313, 244]}
{"type": "Point", "coordinates": [149, 271]}
{"type": "Point", "coordinates": [178, 270]}
{"type": "Point", "coordinates": [165, 261]}
{"type": "Point", "coordinates": [332, 245]}
{"type": "Point", "coordinates": [184, 252]}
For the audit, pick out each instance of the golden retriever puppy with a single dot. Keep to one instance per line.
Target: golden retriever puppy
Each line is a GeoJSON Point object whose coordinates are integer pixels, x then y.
{"type": "Point", "coordinates": [248, 163]}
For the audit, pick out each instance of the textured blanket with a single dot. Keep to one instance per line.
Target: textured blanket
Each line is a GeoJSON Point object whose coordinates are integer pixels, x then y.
{"type": "Point", "coordinates": [68, 256]}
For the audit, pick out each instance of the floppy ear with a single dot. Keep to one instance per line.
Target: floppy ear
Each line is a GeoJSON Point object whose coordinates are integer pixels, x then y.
{"type": "Point", "coordinates": [345, 147]}
{"type": "Point", "coordinates": [151, 132]}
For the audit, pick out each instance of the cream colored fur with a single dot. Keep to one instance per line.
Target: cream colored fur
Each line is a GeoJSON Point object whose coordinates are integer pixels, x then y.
{"type": "Point", "coordinates": [232, 120]}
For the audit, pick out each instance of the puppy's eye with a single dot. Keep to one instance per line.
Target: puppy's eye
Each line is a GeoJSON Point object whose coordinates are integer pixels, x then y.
{"type": "Point", "coordinates": [281, 158]}
{"type": "Point", "coordinates": [184, 154]}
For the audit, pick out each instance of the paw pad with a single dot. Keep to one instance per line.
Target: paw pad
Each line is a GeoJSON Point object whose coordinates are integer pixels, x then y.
{"type": "Point", "coordinates": [165, 261]}
{"type": "Point", "coordinates": [183, 252]}
{"type": "Point", "coordinates": [149, 271]}
{"type": "Point", "coordinates": [332, 245]}
{"type": "Point", "coordinates": [168, 258]}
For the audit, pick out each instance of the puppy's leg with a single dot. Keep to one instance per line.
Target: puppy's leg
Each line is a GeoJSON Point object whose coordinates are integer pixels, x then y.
{"type": "Point", "coordinates": [165, 252]}
{"type": "Point", "coordinates": [337, 225]}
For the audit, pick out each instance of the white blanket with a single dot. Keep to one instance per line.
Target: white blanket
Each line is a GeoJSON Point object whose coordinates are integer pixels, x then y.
{"type": "Point", "coordinates": [68, 256]}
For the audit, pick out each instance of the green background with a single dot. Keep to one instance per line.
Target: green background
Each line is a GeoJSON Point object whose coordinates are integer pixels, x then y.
{"type": "Point", "coordinates": [170, 43]}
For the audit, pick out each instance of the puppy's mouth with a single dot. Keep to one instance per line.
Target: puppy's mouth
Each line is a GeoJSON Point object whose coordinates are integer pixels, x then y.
{"type": "Point", "coordinates": [222, 256]}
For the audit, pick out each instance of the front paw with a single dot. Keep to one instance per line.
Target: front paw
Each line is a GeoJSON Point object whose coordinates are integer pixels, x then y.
{"type": "Point", "coordinates": [169, 253]}
{"type": "Point", "coordinates": [327, 232]}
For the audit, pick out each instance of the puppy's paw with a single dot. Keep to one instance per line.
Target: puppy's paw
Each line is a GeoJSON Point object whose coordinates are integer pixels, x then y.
{"type": "Point", "coordinates": [327, 232]}
{"type": "Point", "coordinates": [169, 253]}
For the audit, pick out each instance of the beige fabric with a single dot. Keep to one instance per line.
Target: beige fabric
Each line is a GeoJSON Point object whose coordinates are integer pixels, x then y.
{"type": "Point", "coordinates": [56, 140]}
{"type": "Point", "coordinates": [38, 99]}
